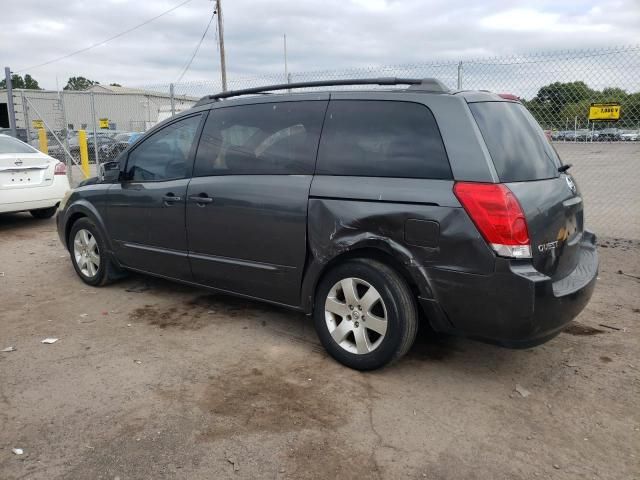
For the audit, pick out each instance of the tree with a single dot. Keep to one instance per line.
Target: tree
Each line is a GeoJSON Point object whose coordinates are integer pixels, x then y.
{"type": "Point", "coordinates": [115, 85]}
{"type": "Point", "coordinates": [558, 104]}
{"type": "Point", "coordinates": [28, 82]}
{"type": "Point", "coordinates": [80, 83]}
{"type": "Point", "coordinates": [31, 83]}
{"type": "Point", "coordinates": [559, 94]}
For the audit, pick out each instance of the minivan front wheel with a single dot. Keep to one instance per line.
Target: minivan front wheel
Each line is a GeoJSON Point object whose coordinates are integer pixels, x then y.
{"type": "Point", "coordinates": [88, 254]}
{"type": "Point", "coordinates": [365, 314]}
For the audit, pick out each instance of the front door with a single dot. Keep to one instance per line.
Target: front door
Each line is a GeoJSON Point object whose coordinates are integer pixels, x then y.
{"type": "Point", "coordinates": [247, 201]}
{"type": "Point", "coordinates": [146, 212]}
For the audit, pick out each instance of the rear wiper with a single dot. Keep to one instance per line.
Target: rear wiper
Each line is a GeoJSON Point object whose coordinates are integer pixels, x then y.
{"type": "Point", "coordinates": [565, 167]}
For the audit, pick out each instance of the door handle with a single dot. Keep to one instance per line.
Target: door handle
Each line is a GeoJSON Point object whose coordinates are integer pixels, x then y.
{"type": "Point", "coordinates": [170, 198]}
{"type": "Point", "coordinates": [201, 199]}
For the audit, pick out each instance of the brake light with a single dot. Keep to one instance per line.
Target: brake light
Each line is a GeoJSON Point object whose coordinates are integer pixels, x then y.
{"type": "Point", "coordinates": [495, 211]}
{"type": "Point", "coordinates": [60, 169]}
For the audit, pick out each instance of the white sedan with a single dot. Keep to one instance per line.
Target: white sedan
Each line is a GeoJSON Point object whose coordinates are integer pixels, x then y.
{"type": "Point", "coordinates": [29, 179]}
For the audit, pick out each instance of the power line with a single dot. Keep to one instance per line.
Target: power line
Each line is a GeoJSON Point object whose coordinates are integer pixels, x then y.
{"type": "Point", "coordinates": [146, 22]}
{"type": "Point", "coordinates": [195, 52]}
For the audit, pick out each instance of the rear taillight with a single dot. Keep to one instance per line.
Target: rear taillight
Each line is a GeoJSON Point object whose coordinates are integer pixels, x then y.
{"type": "Point", "coordinates": [60, 169]}
{"type": "Point", "coordinates": [497, 215]}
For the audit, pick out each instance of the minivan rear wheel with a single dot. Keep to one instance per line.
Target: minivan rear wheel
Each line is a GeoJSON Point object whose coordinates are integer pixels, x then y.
{"type": "Point", "coordinates": [365, 314]}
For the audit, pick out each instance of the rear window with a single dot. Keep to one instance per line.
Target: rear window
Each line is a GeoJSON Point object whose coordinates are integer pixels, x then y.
{"type": "Point", "coordinates": [11, 145]}
{"type": "Point", "coordinates": [518, 146]}
{"type": "Point", "coordinates": [381, 139]}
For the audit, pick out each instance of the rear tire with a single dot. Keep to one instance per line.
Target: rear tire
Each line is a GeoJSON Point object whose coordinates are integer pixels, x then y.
{"type": "Point", "coordinates": [358, 291]}
{"type": "Point", "coordinates": [89, 255]}
{"type": "Point", "coordinates": [43, 213]}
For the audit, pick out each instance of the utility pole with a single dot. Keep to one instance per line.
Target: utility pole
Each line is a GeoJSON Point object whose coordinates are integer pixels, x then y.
{"type": "Point", "coordinates": [10, 107]}
{"type": "Point", "coordinates": [286, 69]}
{"type": "Point", "coordinates": [223, 63]}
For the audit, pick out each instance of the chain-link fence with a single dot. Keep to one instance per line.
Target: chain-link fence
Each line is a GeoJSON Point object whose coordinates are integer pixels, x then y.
{"type": "Point", "coordinates": [559, 88]}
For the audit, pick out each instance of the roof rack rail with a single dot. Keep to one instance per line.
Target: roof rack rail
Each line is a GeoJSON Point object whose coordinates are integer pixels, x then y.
{"type": "Point", "coordinates": [424, 84]}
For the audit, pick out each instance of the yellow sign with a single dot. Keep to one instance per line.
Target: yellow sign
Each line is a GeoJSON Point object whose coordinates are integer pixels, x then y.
{"type": "Point", "coordinates": [37, 123]}
{"type": "Point", "coordinates": [104, 123]}
{"type": "Point", "coordinates": [604, 111]}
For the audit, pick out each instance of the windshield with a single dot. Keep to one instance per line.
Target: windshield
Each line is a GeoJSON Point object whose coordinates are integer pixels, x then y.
{"type": "Point", "coordinates": [518, 147]}
{"type": "Point", "coordinates": [12, 145]}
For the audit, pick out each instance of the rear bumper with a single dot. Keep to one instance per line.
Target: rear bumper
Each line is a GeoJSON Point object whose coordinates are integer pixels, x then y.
{"type": "Point", "coordinates": [33, 198]}
{"type": "Point", "coordinates": [516, 306]}
{"type": "Point", "coordinates": [29, 205]}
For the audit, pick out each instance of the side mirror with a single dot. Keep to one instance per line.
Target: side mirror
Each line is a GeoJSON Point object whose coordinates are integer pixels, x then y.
{"type": "Point", "coordinates": [109, 172]}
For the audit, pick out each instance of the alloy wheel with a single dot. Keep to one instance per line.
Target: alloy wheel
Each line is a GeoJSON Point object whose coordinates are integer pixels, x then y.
{"type": "Point", "coordinates": [356, 315]}
{"type": "Point", "coordinates": [86, 252]}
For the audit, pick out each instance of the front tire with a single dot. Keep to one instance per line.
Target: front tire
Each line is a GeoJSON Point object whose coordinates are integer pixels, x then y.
{"type": "Point", "coordinates": [88, 254]}
{"type": "Point", "coordinates": [43, 213]}
{"type": "Point", "coordinates": [365, 314]}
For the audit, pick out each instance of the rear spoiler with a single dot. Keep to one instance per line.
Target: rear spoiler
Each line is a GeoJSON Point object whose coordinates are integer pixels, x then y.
{"type": "Point", "coordinates": [509, 96]}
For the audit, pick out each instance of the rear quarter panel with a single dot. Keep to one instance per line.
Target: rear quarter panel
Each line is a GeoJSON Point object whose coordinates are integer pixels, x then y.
{"type": "Point", "coordinates": [351, 213]}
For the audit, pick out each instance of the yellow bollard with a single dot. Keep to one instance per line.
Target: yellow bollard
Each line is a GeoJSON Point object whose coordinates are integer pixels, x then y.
{"type": "Point", "coordinates": [84, 152]}
{"type": "Point", "coordinates": [42, 137]}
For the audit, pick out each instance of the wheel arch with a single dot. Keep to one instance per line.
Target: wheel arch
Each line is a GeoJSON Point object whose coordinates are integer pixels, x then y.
{"type": "Point", "coordinates": [69, 225]}
{"type": "Point", "coordinates": [80, 210]}
{"type": "Point", "coordinates": [316, 269]}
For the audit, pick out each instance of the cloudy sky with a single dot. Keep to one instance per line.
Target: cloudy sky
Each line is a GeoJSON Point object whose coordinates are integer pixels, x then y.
{"type": "Point", "coordinates": [321, 35]}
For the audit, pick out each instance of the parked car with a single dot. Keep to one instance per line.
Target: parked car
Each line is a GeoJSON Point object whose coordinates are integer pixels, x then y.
{"type": "Point", "coordinates": [557, 135]}
{"type": "Point", "coordinates": [29, 179]}
{"type": "Point", "coordinates": [630, 135]}
{"type": "Point", "coordinates": [21, 133]}
{"type": "Point", "coordinates": [586, 135]}
{"type": "Point", "coordinates": [102, 140]}
{"type": "Point", "coordinates": [121, 143]}
{"type": "Point", "coordinates": [609, 134]}
{"type": "Point", "coordinates": [35, 139]}
{"type": "Point", "coordinates": [365, 209]}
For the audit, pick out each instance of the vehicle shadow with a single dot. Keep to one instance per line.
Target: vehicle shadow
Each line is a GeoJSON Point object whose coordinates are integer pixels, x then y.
{"type": "Point", "coordinates": [192, 308]}
{"type": "Point", "coordinates": [22, 222]}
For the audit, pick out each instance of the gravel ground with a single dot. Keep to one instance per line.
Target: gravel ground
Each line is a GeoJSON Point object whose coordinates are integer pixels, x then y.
{"type": "Point", "coordinates": [150, 379]}
{"type": "Point", "coordinates": [609, 177]}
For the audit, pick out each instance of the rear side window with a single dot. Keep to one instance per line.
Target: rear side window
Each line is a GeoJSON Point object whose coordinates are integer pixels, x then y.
{"type": "Point", "coordinates": [261, 139]}
{"type": "Point", "coordinates": [518, 146]}
{"type": "Point", "coordinates": [381, 139]}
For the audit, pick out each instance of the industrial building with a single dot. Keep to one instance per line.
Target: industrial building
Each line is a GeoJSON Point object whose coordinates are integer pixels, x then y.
{"type": "Point", "coordinates": [108, 107]}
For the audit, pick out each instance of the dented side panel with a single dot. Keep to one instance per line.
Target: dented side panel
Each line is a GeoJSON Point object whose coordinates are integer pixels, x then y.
{"type": "Point", "coordinates": [376, 214]}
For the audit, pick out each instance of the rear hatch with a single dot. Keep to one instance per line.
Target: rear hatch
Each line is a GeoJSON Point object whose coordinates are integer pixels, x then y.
{"type": "Point", "coordinates": [26, 170]}
{"type": "Point", "coordinates": [528, 165]}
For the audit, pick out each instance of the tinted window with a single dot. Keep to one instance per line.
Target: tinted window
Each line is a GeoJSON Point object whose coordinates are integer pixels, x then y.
{"type": "Point", "coordinates": [518, 146]}
{"type": "Point", "coordinates": [264, 139]}
{"type": "Point", "coordinates": [165, 154]}
{"type": "Point", "coordinates": [381, 139]}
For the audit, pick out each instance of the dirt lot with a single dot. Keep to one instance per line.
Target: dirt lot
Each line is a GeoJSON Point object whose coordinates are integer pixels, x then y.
{"type": "Point", "coordinates": [609, 177]}
{"type": "Point", "coordinates": [154, 380]}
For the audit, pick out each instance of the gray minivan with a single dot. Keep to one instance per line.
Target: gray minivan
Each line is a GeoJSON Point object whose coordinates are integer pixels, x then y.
{"type": "Point", "coordinates": [371, 210]}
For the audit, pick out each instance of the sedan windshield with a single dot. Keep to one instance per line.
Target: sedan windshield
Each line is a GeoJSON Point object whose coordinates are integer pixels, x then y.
{"type": "Point", "coordinates": [13, 145]}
